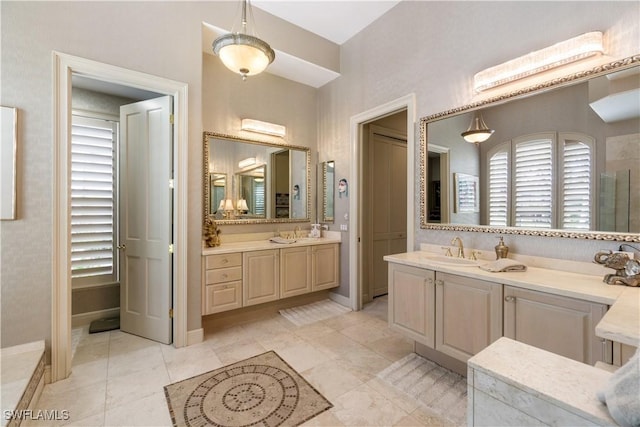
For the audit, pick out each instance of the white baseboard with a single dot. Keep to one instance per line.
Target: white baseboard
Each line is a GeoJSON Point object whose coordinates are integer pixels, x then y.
{"type": "Point", "coordinates": [82, 319]}
{"type": "Point", "coordinates": [195, 336]}
{"type": "Point", "coordinates": [340, 299]}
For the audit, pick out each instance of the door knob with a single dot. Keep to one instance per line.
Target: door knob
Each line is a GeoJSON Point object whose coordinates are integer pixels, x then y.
{"type": "Point", "coordinates": [122, 247]}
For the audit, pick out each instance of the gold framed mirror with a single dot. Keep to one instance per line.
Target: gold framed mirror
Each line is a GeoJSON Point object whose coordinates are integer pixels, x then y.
{"type": "Point", "coordinates": [544, 115]}
{"type": "Point", "coordinates": [257, 181]}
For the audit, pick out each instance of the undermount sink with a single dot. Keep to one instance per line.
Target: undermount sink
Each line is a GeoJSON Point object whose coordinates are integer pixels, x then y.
{"type": "Point", "coordinates": [447, 260]}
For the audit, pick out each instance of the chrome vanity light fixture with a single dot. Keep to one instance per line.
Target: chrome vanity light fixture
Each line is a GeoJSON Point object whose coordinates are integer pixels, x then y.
{"type": "Point", "coordinates": [241, 52]}
{"type": "Point", "coordinates": [252, 125]}
{"type": "Point", "coordinates": [478, 130]}
{"type": "Point", "coordinates": [551, 57]}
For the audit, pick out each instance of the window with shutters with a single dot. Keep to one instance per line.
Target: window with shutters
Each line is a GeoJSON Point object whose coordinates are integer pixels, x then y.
{"type": "Point", "coordinates": [93, 196]}
{"type": "Point", "coordinates": [498, 179]}
{"type": "Point", "coordinates": [524, 189]}
{"type": "Point", "coordinates": [576, 186]}
{"type": "Point", "coordinates": [533, 181]}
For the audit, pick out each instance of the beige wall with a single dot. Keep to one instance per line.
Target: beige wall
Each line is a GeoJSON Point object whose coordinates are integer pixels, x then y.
{"type": "Point", "coordinates": [428, 48]}
{"type": "Point", "coordinates": [158, 38]}
{"type": "Point", "coordinates": [433, 49]}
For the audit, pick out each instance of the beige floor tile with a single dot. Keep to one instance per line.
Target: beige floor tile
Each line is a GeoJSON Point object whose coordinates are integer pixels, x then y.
{"type": "Point", "coordinates": [279, 341]}
{"type": "Point", "coordinates": [365, 333]}
{"type": "Point", "coordinates": [81, 376]}
{"type": "Point", "coordinates": [124, 343]}
{"type": "Point", "coordinates": [364, 406]}
{"type": "Point", "coordinates": [312, 331]}
{"type": "Point", "coordinates": [135, 386]}
{"type": "Point", "coordinates": [344, 321]}
{"type": "Point", "coordinates": [302, 356]}
{"type": "Point", "coordinates": [238, 351]}
{"type": "Point", "coordinates": [80, 403]}
{"type": "Point", "coordinates": [427, 418]}
{"type": "Point", "coordinates": [363, 363]}
{"type": "Point", "coordinates": [134, 360]}
{"type": "Point", "coordinates": [149, 411]}
{"type": "Point", "coordinates": [399, 398]}
{"type": "Point", "coordinates": [227, 336]}
{"type": "Point", "coordinates": [335, 344]}
{"type": "Point", "coordinates": [325, 419]}
{"type": "Point", "coordinates": [331, 379]}
{"type": "Point", "coordinates": [408, 421]}
{"type": "Point", "coordinates": [187, 362]}
{"type": "Point", "coordinates": [392, 347]}
{"type": "Point", "coordinates": [91, 421]}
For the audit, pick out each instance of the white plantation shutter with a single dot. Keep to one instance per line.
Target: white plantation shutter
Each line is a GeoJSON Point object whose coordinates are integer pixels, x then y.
{"type": "Point", "coordinates": [498, 183]}
{"type": "Point", "coordinates": [93, 186]}
{"type": "Point", "coordinates": [576, 164]}
{"type": "Point", "coordinates": [533, 181]}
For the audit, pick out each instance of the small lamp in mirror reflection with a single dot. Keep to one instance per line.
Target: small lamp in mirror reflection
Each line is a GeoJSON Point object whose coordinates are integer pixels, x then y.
{"type": "Point", "coordinates": [221, 206]}
{"type": "Point", "coordinates": [478, 130]}
{"type": "Point", "coordinates": [242, 206]}
{"type": "Point", "coordinates": [228, 208]}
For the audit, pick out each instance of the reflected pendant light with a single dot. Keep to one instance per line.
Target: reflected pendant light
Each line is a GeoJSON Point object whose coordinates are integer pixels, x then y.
{"type": "Point", "coordinates": [478, 130]}
{"type": "Point", "coordinates": [243, 53]}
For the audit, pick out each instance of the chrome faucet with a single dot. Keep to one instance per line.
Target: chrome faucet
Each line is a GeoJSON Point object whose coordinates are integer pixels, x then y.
{"type": "Point", "coordinates": [457, 240]}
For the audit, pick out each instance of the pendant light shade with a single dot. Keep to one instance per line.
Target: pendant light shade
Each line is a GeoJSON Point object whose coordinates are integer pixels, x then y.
{"type": "Point", "coordinates": [243, 53]}
{"type": "Point", "coordinates": [478, 130]}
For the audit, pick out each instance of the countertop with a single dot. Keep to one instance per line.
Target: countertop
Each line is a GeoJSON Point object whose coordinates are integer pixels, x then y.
{"type": "Point", "coordinates": [258, 245]}
{"type": "Point", "coordinates": [621, 323]}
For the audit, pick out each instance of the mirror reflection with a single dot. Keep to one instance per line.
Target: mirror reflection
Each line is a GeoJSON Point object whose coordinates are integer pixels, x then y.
{"type": "Point", "coordinates": [255, 181]}
{"type": "Point", "coordinates": [564, 159]}
{"type": "Point", "coordinates": [326, 189]}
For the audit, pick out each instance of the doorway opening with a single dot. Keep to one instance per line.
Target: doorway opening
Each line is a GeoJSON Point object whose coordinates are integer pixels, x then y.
{"type": "Point", "coordinates": [64, 68]}
{"type": "Point", "coordinates": [403, 111]}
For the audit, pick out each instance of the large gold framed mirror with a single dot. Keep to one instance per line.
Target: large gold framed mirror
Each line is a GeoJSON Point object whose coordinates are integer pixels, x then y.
{"type": "Point", "coordinates": [563, 160]}
{"type": "Point", "coordinates": [248, 181]}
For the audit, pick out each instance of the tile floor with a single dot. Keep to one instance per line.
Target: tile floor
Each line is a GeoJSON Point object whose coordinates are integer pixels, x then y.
{"type": "Point", "coordinates": [118, 378]}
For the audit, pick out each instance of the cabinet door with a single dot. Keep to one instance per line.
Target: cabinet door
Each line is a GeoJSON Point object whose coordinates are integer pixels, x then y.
{"type": "Point", "coordinates": [260, 277]}
{"type": "Point", "coordinates": [325, 266]}
{"type": "Point", "coordinates": [412, 302]}
{"type": "Point", "coordinates": [295, 271]}
{"type": "Point", "coordinates": [468, 315]}
{"type": "Point", "coordinates": [561, 325]}
{"type": "Point", "coordinates": [223, 297]}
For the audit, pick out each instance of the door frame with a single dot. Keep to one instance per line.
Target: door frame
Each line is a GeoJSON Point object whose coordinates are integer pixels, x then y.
{"type": "Point", "coordinates": [356, 124]}
{"type": "Point", "coordinates": [64, 66]}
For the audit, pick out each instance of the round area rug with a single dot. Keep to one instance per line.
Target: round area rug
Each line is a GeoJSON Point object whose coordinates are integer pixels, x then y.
{"type": "Point", "coordinates": [262, 390]}
{"type": "Point", "coordinates": [267, 393]}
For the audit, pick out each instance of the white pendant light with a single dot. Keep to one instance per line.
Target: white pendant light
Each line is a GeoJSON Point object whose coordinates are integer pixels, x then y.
{"type": "Point", "coordinates": [243, 53]}
{"type": "Point", "coordinates": [478, 130]}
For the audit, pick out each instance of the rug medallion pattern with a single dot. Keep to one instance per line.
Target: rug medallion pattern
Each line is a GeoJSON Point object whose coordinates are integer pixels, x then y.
{"type": "Point", "coordinates": [260, 391]}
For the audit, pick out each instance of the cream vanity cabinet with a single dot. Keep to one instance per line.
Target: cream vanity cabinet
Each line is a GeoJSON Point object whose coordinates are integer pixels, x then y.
{"type": "Point", "coordinates": [468, 315]}
{"type": "Point", "coordinates": [295, 268]}
{"type": "Point", "coordinates": [325, 267]}
{"type": "Point", "coordinates": [222, 283]}
{"type": "Point", "coordinates": [261, 276]}
{"type": "Point", "coordinates": [249, 277]}
{"type": "Point", "coordinates": [561, 325]}
{"type": "Point", "coordinates": [411, 309]}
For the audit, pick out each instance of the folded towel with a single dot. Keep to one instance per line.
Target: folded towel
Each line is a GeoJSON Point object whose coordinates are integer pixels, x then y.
{"type": "Point", "coordinates": [503, 264]}
{"type": "Point", "coordinates": [622, 393]}
{"type": "Point", "coordinates": [281, 240]}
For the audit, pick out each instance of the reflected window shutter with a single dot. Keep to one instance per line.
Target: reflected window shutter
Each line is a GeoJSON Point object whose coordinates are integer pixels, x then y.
{"type": "Point", "coordinates": [576, 185]}
{"type": "Point", "coordinates": [258, 195]}
{"type": "Point", "coordinates": [499, 189]}
{"type": "Point", "coordinates": [533, 183]}
{"type": "Point", "coordinates": [92, 197]}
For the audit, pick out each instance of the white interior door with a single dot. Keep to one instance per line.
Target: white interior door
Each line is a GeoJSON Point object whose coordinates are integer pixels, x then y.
{"type": "Point", "coordinates": [146, 218]}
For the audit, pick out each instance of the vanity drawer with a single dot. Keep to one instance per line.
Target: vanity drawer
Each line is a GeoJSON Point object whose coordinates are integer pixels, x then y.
{"type": "Point", "coordinates": [223, 297]}
{"type": "Point", "coordinates": [223, 260]}
{"type": "Point", "coordinates": [221, 275]}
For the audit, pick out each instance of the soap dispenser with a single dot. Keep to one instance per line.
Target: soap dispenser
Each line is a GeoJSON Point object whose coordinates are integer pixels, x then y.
{"type": "Point", "coordinates": [315, 231]}
{"type": "Point", "coordinates": [502, 250]}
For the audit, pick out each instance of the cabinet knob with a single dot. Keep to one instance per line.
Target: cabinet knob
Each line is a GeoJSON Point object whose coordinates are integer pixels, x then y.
{"type": "Point", "coordinates": [225, 260]}
{"type": "Point", "coordinates": [439, 282]}
{"type": "Point", "coordinates": [430, 281]}
{"type": "Point", "coordinates": [224, 275]}
{"type": "Point", "coordinates": [509, 298]}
